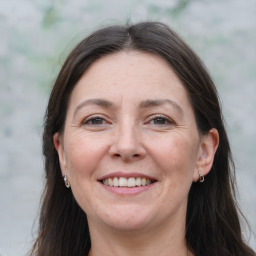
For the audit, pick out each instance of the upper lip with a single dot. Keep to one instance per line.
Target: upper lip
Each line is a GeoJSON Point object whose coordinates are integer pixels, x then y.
{"type": "Point", "coordinates": [126, 175]}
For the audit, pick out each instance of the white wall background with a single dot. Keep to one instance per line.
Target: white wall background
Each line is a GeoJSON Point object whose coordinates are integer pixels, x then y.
{"type": "Point", "coordinates": [35, 37]}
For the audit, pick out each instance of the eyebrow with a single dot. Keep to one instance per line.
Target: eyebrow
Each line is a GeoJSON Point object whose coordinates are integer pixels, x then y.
{"type": "Point", "coordinates": [97, 102]}
{"type": "Point", "coordinates": [160, 102]}
{"type": "Point", "coordinates": [143, 104]}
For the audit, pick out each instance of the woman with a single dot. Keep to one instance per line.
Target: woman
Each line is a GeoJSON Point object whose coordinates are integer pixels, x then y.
{"type": "Point", "coordinates": [137, 158]}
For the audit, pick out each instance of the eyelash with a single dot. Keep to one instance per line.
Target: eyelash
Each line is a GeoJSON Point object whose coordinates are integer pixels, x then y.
{"type": "Point", "coordinates": [167, 120]}
{"type": "Point", "coordinates": [91, 119]}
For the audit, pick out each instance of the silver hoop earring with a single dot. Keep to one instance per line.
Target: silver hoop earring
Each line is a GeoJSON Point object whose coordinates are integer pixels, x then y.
{"type": "Point", "coordinates": [67, 184]}
{"type": "Point", "coordinates": [201, 177]}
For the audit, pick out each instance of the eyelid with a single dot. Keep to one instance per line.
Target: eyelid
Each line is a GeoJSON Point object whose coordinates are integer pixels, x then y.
{"type": "Point", "coordinates": [106, 120]}
{"type": "Point", "coordinates": [92, 117]}
{"type": "Point", "coordinates": [155, 116]}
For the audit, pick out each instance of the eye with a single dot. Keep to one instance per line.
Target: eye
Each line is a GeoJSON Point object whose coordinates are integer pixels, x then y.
{"type": "Point", "coordinates": [94, 120]}
{"type": "Point", "coordinates": [160, 120]}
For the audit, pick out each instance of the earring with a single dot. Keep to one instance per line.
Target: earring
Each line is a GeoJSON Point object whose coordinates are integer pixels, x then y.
{"type": "Point", "coordinates": [201, 177]}
{"type": "Point", "coordinates": [67, 184]}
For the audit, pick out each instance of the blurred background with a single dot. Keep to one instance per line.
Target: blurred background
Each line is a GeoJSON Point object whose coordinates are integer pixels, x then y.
{"type": "Point", "coordinates": [35, 38]}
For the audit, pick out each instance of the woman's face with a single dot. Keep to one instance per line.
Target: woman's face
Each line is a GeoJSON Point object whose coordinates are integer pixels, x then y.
{"type": "Point", "coordinates": [130, 147]}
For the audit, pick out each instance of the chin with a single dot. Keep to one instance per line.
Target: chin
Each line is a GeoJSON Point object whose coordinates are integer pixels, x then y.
{"type": "Point", "coordinates": [127, 225]}
{"type": "Point", "coordinates": [128, 219]}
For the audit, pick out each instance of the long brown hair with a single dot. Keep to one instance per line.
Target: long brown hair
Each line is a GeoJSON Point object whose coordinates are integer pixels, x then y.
{"type": "Point", "coordinates": [212, 221]}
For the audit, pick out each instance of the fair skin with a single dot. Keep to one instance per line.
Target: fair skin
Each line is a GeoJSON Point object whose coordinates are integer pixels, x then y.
{"type": "Point", "coordinates": [129, 118]}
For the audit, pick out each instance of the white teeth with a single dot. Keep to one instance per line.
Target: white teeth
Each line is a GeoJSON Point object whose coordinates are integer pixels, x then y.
{"type": "Point", "coordinates": [110, 182]}
{"type": "Point", "coordinates": [131, 182]}
{"type": "Point", "coordinates": [124, 182]}
{"type": "Point", "coordinates": [138, 182]}
{"type": "Point", "coordinates": [115, 182]}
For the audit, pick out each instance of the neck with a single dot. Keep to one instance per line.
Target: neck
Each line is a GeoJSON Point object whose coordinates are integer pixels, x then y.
{"type": "Point", "coordinates": [162, 241]}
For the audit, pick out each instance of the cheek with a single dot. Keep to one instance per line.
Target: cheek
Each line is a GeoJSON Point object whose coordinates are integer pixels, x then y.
{"type": "Point", "coordinates": [83, 154]}
{"type": "Point", "coordinates": [176, 155]}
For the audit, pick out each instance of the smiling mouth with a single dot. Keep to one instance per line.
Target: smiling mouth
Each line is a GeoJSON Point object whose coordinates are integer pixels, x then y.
{"type": "Point", "coordinates": [127, 182]}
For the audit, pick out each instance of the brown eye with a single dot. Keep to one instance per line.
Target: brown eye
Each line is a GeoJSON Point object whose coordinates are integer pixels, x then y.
{"type": "Point", "coordinates": [94, 121]}
{"type": "Point", "coordinates": [160, 121]}
{"type": "Point", "coordinates": [97, 121]}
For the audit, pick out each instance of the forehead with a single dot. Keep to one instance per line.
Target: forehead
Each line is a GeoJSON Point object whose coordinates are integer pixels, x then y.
{"type": "Point", "coordinates": [130, 75]}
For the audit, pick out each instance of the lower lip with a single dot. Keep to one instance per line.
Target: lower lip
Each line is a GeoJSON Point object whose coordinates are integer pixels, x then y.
{"type": "Point", "coordinates": [127, 190]}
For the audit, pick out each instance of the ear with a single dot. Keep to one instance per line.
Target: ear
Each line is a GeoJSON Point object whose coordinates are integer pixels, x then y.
{"type": "Point", "coordinates": [208, 147]}
{"type": "Point", "coordinates": [59, 146]}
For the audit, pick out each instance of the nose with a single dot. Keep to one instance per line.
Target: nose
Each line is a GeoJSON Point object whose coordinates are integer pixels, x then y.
{"type": "Point", "coordinates": [127, 143]}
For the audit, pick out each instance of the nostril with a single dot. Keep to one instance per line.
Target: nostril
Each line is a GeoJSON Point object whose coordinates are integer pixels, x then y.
{"type": "Point", "coordinates": [117, 155]}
